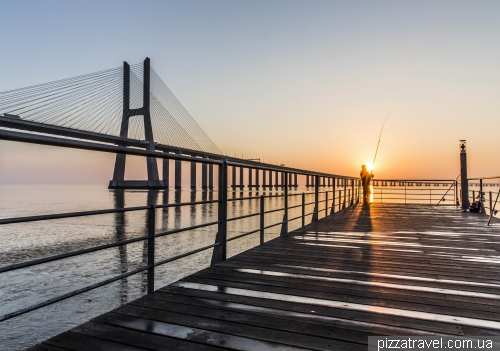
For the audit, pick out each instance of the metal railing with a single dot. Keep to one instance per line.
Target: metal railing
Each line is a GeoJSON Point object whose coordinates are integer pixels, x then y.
{"type": "Point", "coordinates": [339, 200]}
{"type": "Point", "coordinates": [424, 192]}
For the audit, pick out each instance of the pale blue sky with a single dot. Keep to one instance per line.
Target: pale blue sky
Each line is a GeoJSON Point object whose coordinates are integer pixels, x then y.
{"type": "Point", "coordinates": [306, 83]}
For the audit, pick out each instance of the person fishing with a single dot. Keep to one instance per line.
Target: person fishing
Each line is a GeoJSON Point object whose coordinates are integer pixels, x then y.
{"type": "Point", "coordinates": [365, 181]}
{"type": "Point", "coordinates": [367, 177]}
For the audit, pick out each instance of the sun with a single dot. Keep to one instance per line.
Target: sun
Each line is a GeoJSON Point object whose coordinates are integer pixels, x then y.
{"type": "Point", "coordinates": [369, 166]}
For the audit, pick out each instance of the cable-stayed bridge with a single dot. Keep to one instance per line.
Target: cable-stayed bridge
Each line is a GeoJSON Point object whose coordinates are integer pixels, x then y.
{"type": "Point", "coordinates": [128, 106]}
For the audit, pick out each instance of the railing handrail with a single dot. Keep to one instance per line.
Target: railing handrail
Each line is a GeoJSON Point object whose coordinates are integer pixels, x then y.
{"type": "Point", "coordinates": [480, 178]}
{"type": "Point", "coordinates": [95, 146]}
{"type": "Point", "coordinates": [414, 180]}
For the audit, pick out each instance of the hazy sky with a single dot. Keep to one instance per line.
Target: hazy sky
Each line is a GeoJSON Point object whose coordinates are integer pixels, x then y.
{"type": "Point", "coordinates": [305, 83]}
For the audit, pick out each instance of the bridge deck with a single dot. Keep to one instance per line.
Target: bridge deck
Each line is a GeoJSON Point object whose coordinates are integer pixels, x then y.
{"type": "Point", "coordinates": [382, 270]}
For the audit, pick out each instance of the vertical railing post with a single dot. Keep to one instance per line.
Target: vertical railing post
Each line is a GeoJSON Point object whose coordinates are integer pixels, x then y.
{"type": "Point", "coordinates": [223, 206]}
{"type": "Point", "coordinates": [456, 194]}
{"type": "Point", "coordinates": [345, 193]}
{"type": "Point", "coordinates": [340, 200]}
{"type": "Point", "coordinates": [352, 192]}
{"type": "Point", "coordinates": [333, 195]}
{"type": "Point", "coordinates": [430, 196]}
{"type": "Point", "coordinates": [284, 226]}
{"type": "Point", "coordinates": [303, 209]}
{"type": "Point", "coordinates": [262, 219]}
{"type": "Point", "coordinates": [220, 250]}
{"type": "Point", "coordinates": [151, 248]}
{"type": "Point", "coordinates": [359, 190]}
{"type": "Point", "coordinates": [326, 203]}
{"type": "Point", "coordinates": [316, 198]}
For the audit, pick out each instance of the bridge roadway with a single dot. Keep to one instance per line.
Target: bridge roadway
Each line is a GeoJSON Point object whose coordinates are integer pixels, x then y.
{"type": "Point", "coordinates": [379, 270]}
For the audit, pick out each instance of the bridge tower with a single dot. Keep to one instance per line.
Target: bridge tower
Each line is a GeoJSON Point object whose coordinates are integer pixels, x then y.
{"type": "Point", "coordinates": [118, 181]}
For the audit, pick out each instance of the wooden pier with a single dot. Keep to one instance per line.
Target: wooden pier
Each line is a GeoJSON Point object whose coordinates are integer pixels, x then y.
{"type": "Point", "coordinates": [366, 271]}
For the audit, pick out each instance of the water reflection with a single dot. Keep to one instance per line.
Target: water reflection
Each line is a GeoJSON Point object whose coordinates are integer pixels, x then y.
{"type": "Point", "coordinates": [151, 199]}
{"type": "Point", "coordinates": [120, 224]}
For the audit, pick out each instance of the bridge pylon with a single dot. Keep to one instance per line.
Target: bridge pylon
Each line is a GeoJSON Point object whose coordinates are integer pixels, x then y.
{"type": "Point", "coordinates": [153, 181]}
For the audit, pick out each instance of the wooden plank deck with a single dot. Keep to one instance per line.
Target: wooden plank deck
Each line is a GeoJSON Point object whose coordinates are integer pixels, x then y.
{"type": "Point", "coordinates": [378, 270]}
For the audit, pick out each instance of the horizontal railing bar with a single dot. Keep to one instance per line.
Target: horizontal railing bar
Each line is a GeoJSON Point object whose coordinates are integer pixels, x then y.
{"type": "Point", "coordinates": [244, 234]}
{"type": "Point", "coordinates": [69, 254]}
{"type": "Point", "coordinates": [85, 145]}
{"type": "Point", "coordinates": [95, 212]}
{"type": "Point", "coordinates": [272, 225]}
{"type": "Point", "coordinates": [173, 231]}
{"type": "Point", "coordinates": [253, 197]}
{"type": "Point", "coordinates": [70, 294]}
{"type": "Point", "coordinates": [483, 178]}
{"type": "Point", "coordinates": [290, 207]}
{"type": "Point", "coordinates": [414, 180]}
{"type": "Point", "coordinates": [94, 146]}
{"type": "Point", "coordinates": [69, 215]}
{"type": "Point", "coordinates": [187, 203]}
{"type": "Point", "coordinates": [276, 210]}
{"type": "Point", "coordinates": [97, 248]}
{"type": "Point", "coordinates": [185, 254]}
{"type": "Point", "coordinates": [244, 216]}
{"type": "Point", "coordinates": [294, 218]}
{"type": "Point", "coordinates": [300, 194]}
{"type": "Point", "coordinates": [286, 169]}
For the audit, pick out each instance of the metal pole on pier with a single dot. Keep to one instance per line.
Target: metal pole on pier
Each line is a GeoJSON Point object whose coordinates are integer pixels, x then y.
{"type": "Point", "coordinates": [464, 183]}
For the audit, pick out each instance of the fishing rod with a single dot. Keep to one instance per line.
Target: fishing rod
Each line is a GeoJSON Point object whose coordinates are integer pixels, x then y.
{"type": "Point", "coordinates": [492, 210]}
{"type": "Point", "coordinates": [451, 186]}
{"type": "Point", "coordinates": [380, 137]}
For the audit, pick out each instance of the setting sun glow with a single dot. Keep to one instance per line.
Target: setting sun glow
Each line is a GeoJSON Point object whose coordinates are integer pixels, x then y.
{"type": "Point", "coordinates": [369, 166]}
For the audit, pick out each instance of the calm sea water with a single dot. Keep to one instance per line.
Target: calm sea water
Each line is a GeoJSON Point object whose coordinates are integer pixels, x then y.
{"type": "Point", "coordinates": [26, 241]}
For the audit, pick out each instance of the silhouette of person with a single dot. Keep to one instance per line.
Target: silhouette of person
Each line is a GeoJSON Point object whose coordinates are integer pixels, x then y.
{"type": "Point", "coordinates": [365, 181]}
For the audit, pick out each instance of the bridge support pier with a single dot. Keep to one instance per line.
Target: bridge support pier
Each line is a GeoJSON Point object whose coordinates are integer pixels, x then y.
{"type": "Point", "coordinates": [276, 179]}
{"type": "Point", "coordinates": [178, 173]}
{"type": "Point", "coordinates": [193, 175]}
{"type": "Point", "coordinates": [264, 183]}
{"type": "Point", "coordinates": [118, 181]}
{"type": "Point", "coordinates": [257, 180]}
{"type": "Point", "coordinates": [210, 176]}
{"type": "Point", "coordinates": [233, 180]}
{"type": "Point", "coordinates": [250, 180]}
{"type": "Point", "coordinates": [166, 172]}
{"type": "Point", "coordinates": [241, 178]}
{"type": "Point", "coordinates": [204, 174]}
